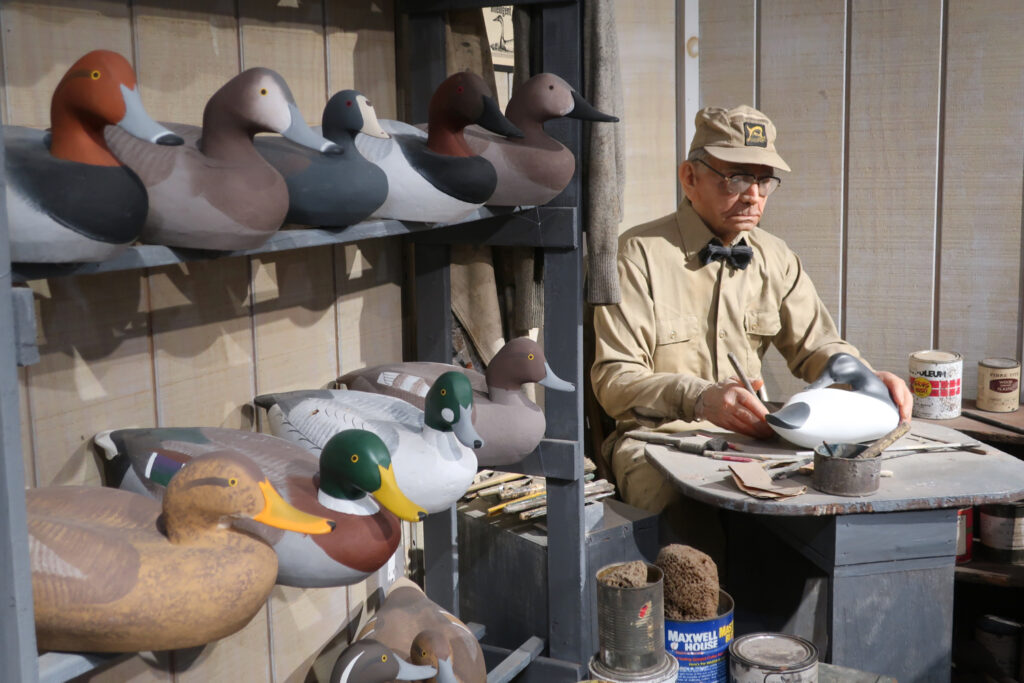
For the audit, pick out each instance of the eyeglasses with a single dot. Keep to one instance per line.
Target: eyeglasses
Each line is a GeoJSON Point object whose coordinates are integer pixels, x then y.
{"type": "Point", "coordinates": [737, 183]}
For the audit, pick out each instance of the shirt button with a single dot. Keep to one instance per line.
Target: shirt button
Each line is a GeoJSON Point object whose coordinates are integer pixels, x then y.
{"type": "Point", "coordinates": [721, 334]}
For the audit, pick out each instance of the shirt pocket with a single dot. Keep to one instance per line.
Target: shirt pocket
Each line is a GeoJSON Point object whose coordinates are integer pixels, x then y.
{"type": "Point", "coordinates": [762, 323]}
{"type": "Point", "coordinates": [675, 330]}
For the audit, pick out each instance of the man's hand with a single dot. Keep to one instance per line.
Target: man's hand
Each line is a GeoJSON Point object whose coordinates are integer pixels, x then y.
{"type": "Point", "coordinates": [900, 393]}
{"type": "Point", "coordinates": [730, 406]}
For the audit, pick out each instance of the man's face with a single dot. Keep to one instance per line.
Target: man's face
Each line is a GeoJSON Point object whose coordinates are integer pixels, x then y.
{"type": "Point", "coordinates": [726, 214]}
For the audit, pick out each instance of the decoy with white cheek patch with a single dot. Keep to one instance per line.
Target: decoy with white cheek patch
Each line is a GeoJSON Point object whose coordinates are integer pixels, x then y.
{"type": "Point", "coordinates": [331, 189]}
{"type": "Point", "coordinates": [68, 198]}
{"type": "Point", "coordinates": [822, 413]}
{"type": "Point", "coordinates": [432, 449]}
{"type": "Point", "coordinates": [216, 191]}
{"type": "Point", "coordinates": [367, 661]}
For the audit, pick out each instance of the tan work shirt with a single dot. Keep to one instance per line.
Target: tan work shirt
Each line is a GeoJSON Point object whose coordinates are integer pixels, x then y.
{"type": "Point", "coordinates": [667, 340]}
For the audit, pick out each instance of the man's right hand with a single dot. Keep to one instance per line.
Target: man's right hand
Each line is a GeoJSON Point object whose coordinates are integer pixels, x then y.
{"type": "Point", "coordinates": [730, 406]}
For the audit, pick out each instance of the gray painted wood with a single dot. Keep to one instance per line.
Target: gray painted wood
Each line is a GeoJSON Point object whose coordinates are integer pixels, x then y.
{"type": "Point", "coordinates": [516, 661]}
{"type": "Point", "coordinates": [17, 623]}
{"type": "Point", "coordinates": [24, 314]}
{"type": "Point", "coordinates": [920, 481]}
{"type": "Point", "coordinates": [980, 246]}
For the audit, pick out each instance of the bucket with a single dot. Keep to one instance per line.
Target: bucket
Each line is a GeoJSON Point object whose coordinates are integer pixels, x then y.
{"type": "Point", "coordinates": [631, 631]}
{"type": "Point", "coordinates": [998, 385]}
{"type": "Point", "coordinates": [935, 381]}
{"type": "Point", "coordinates": [701, 645]}
{"type": "Point", "coordinates": [772, 658]}
{"type": "Point", "coordinates": [842, 474]}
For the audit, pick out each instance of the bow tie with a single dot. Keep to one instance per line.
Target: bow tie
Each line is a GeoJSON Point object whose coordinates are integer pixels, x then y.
{"type": "Point", "coordinates": [738, 256]}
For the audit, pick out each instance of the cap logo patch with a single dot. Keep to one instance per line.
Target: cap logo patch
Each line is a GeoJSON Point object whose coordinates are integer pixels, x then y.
{"type": "Point", "coordinates": [753, 135]}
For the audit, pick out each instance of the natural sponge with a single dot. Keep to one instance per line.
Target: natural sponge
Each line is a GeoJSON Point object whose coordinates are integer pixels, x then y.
{"type": "Point", "coordinates": [691, 583]}
{"type": "Point", "coordinates": [628, 575]}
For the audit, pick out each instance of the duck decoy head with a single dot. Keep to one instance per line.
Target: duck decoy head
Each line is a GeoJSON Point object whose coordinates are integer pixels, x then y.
{"type": "Point", "coordinates": [98, 90]}
{"type": "Point", "coordinates": [448, 407]}
{"type": "Point", "coordinates": [843, 368]}
{"type": "Point", "coordinates": [547, 96]}
{"type": "Point", "coordinates": [221, 485]}
{"type": "Point", "coordinates": [348, 112]}
{"type": "Point", "coordinates": [463, 99]}
{"type": "Point", "coordinates": [522, 360]}
{"type": "Point", "coordinates": [367, 661]}
{"type": "Point", "coordinates": [260, 101]}
{"type": "Point", "coordinates": [355, 462]}
{"type": "Point", "coordinates": [431, 648]}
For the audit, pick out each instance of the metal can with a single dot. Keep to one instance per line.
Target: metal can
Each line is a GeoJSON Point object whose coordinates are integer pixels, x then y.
{"type": "Point", "coordinates": [772, 658]}
{"type": "Point", "coordinates": [998, 385]}
{"type": "Point", "coordinates": [935, 381]}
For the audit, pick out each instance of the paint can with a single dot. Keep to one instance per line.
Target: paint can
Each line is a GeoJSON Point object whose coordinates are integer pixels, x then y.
{"type": "Point", "coordinates": [838, 470]}
{"type": "Point", "coordinates": [935, 381]}
{"type": "Point", "coordinates": [631, 631]}
{"type": "Point", "coordinates": [772, 658]}
{"type": "Point", "coordinates": [701, 646]}
{"type": "Point", "coordinates": [964, 534]}
{"type": "Point", "coordinates": [1002, 532]}
{"type": "Point", "coordinates": [998, 385]}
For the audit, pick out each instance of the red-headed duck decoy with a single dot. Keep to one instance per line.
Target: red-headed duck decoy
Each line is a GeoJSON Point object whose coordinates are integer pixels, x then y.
{"type": "Point", "coordinates": [436, 177]}
{"type": "Point", "coordinates": [407, 621]}
{"type": "Point", "coordinates": [68, 198]}
{"type": "Point", "coordinates": [534, 169]}
{"type": "Point", "coordinates": [367, 661]}
{"type": "Point", "coordinates": [216, 191]}
{"type": "Point", "coordinates": [331, 189]}
{"type": "Point", "coordinates": [510, 424]}
{"type": "Point", "coordinates": [432, 449]}
{"type": "Point", "coordinates": [353, 485]}
{"type": "Point", "coordinates": [113, 571]}
{"type": "Point", "coordinates": [819, 412]}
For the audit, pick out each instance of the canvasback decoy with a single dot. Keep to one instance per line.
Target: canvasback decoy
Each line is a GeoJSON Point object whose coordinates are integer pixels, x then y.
{"type": "Point", "coordinates": [510, 423]}
{"type": "Point", "coordinates": [113, 571]}
{"type": "Point", "coordinates": [216, 191]}
{"type": "Point", "coordinates": [68, 198]}
{"type": "Point", "coordinates": [408, 621]}
{"type": "Point", "coordinates": [534, 169]}
{"type": "Point", "coordinates": [436, 177]}
{"type": "Point", "coordinates": [432, 449]}
{"type": "Point", "coordinates": [821, 413]}
{"type": "Point", "coordinates": [353, 485]}
{"type": "Point", "coordinates": [331, 189]}
{"type": "Point", "coordinates": [367, 661]}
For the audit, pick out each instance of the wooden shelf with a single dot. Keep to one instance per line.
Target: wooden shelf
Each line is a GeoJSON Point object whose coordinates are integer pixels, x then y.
{"type": "Point", "coordinates": [552, 227]}
{"type": "Point", "coordinates": [991, 573]}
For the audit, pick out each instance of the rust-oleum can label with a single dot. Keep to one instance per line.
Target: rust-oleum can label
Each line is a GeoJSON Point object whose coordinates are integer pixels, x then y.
{"type": "Point", "coordinates": [998, 385]}
{"type": "Point", "coordinates": [935, 381]}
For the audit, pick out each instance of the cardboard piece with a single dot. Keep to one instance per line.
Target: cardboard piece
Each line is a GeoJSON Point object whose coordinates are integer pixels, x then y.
{"type": "Point", "coordinates": [751, 478]}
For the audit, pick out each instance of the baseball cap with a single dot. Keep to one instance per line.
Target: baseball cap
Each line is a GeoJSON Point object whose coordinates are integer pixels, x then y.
{"type": "Point", "coordinates": [741, 135]}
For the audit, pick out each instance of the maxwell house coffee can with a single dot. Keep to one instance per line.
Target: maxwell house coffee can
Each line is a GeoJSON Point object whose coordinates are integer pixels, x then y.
{"type": "Point", "coordinates": [935, 382]}
{"type": "Point", "coordinates": [998, 385]}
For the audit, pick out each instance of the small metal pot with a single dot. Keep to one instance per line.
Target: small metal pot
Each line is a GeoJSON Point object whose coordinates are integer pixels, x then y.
{"type": "Point", "coordinates": [843, 474]}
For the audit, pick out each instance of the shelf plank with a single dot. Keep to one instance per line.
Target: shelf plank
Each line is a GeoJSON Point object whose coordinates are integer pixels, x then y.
{"type": "Point", "coordinates": [991, 573]}
{"type": "Point", "coordinates": [423, 6]}
{"type": "Point", "coordinates": [497, 226]}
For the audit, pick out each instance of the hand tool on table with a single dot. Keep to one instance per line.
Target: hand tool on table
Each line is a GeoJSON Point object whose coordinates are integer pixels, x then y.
{"type": "Point", "coordinates": [713, 447]}
{"type": "Point", "coordinates": [889, 439]}
{"type": "Point", "coordinates": [743, 376]}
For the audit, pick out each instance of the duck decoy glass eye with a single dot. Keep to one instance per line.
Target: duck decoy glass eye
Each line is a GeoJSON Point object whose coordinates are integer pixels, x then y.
{"type": "Point", "coordinates": [355, 458]}
{"type": "Point", "coordinates": [423, 653]}
{"type": "Point", "coordinates": [348, 103]}
{"type": "Point", "coordinates": [444, 392]}
{"type": "Point", "coordinates": [551, 87]}
{"type": "Point", "coordinates": [95, 75]}
{"type": "Point", "coordinates": [529, 357]}
{"type": "Point", "coordinates": [458, 89]}
{"type": "Point", "coordinates": [263, 91]}
{"type": "Point", "coordinates": [232, 482]}
{"type": "Point", "coordinates": [383, 658]}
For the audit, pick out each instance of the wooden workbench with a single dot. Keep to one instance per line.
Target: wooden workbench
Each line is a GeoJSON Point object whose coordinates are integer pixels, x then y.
{"type": "Point", "coordinates": [889, 556]}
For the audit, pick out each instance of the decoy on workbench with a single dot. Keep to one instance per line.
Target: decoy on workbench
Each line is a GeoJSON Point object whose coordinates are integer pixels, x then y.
{"type": "Point", "coordinates": [68, 198]}
{"type": "Point", "coordinates": [367, 661]}
{"type": "Point", "coordinates": [352, 484]}
{"type": "Point", "coordinates": [216, 191]}
{"type": "Point", "coordinates": [114, 571]}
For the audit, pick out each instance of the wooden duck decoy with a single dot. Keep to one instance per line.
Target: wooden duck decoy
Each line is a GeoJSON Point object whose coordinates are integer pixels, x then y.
{"type": "Point", "coordinates": [367, 661]}
{"type": "Point", "coordinates": [216, 191]}
{"type": "Point", "coordinates": [510, 423]}
{"type": "Point", "coordinates": [436, 177]}
{"type": "Point", "coordinates": [353, 485]}
{"type": "Point", "coordinates": [331, 189]}
{"type": "Point", "coordinates": [432, 449]}
{"type": "Point", "coordinates": [821, 413]}
{"type": "Point", "coordinates": [534, 169]}
{"type": "Point", "coordinates": [68, 198]}
{"type": "Point", "coordinates": [407, 621]}
{"type": "Point", "coordinates": [114, 571]}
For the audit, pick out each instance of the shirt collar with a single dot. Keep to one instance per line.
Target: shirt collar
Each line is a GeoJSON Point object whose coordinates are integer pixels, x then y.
{"type": "Point", "coordinates": [694, 232]}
